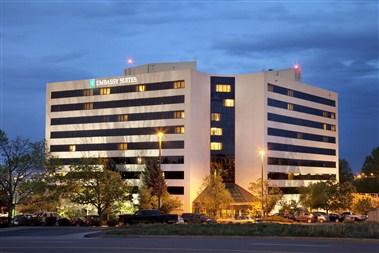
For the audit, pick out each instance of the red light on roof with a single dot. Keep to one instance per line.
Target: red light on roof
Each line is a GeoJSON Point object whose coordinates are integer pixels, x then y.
{"type": "Point", "coordinates": [296, 66]}
{"type": "Point", "coordinates": [130, 61]}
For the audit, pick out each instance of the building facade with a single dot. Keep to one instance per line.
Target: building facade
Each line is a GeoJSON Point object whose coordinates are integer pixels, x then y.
{"type": "Point", "coordinates": [206, 119]}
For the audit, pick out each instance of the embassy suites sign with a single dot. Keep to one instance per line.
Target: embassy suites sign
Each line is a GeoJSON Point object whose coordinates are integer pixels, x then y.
{"type": "Point", "coordinates": [94, 83]}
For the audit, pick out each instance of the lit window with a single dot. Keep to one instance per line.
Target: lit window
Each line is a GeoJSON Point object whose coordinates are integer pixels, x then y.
{"type": "Point", "coordinates": [122, 146]}
{"type": "Point", "coordinates": [325, 114]}
{"type": "Point", "coordinates": [88, 106]}
{"type": "Point", "coordinates": [141, 87]}
{"type": "Point", "coordinates": [215, 116]}
{"type": "Point", "coordinates": [216, 131]}
{"type": "Point", "coordinates": [105, 91]}
{"type": "Point", "coordinates": [333, 128]}
{"type": "Point", "coordinates": [72, 148]}
{"type": "Point", "coordinates": [179, 85]}
{"type": "Point", "coordinates": [229, 102]}
{"type": "Point", "coordinates": [216, 146]}
{"type": "Point", "coordinates": [333, 115]}
{"type": "Point", "coordinates": [290, 107]}
{"type": "Point", "coordinates": [179, 130]}
{"type": "Point", "coordinates": [223, 88]}
{"type": "Point", "coordinates": [87, 92]}
{"type": "Point", "coordinates": [290, 93]}
{"type": "Point", "coordinates": [270, 87]}
{"type": "Point", "coordinates": [325, 126]}
{"type": "Point", "coordinates": [179, 115]}
{"type": "Point", "coordinates": [123, 117]}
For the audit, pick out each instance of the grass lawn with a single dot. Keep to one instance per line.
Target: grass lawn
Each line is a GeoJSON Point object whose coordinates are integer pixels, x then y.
{"type": "Point", "coordinates": [348, 230]}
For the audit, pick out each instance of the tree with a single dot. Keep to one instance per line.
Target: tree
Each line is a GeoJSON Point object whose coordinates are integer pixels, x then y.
{"type": "Point", "coordinates": [371, 164]}
{"type": "Point", "coordinates": [270, 197]}
{"type": "Point", "coordinates": [21, 162]}
{"type": "Point", "coordinates": [96, 185]}
{"type": "Point", "coordinates": [362, 203]}
{"type": "Point", "coordinates": [153, 192]}
{"type": "Point", "coordinates": [345, 172]}
{"type": "Point", "coordinates": [327, 195]}
{"type": "Point", "coordinates": [213, 196]}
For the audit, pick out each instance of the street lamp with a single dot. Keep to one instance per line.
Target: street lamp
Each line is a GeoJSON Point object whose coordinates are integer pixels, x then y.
{"type": "Point", "coordinates": [262, 155]}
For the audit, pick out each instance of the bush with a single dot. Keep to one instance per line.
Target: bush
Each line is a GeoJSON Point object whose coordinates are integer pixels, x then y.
{"type": "Point", "coordinates": [64, 222]}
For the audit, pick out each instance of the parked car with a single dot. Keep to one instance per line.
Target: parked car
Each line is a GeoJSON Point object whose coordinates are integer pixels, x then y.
{"type": "Point", "coordinates": [304, 217]}
{"type": "Point", "coordinates": [194, 218]}
{"type": "Point", "coordinates": [349, 216]}
{"type": "Point", "coordinates": [148, 216]}
{"type": "Point", "coordinates": [333, 217]}
{"type": "Point", "coordinates": [319, 217]}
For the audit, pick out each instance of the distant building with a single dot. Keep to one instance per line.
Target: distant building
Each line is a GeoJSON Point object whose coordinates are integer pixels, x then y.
{"type": "Point", "coordinates": [206, 119]}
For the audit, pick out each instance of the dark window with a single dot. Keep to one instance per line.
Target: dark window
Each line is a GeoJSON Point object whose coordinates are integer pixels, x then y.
{"type": "Point", "coordinates": [299, 162]}
{"type": "Point", "coordinates": [301, 95]}
{"type": "Point", "coordinates": [300, 135]}
{"type": "Point", "coordinates": [175, 190]}
{"type": "Point", "coordinates": [113, 90]}
{"type": "Point", "coordinates": [297, 176]}
{"type": "Point", "coordinates": [174, 174]}
{"type": "Point", "coordinates": [120, 103]}
{"type": "Point", "coordinates": [300, 122]}
{"type": "Point", "coordinates": [300, 108]}
{"type": "Point", "coordinates": [121, 160]}
{"type": "Point", "coordinates": [300, 149]}
{"type": "Point", "coordinates": [289, 190]}
{"type": "Point", "coordinates": [117, 117]}
{"type": "Point", "coordinates": [113, 132]}
{"type": "Point", "coordinates": [115, 146]}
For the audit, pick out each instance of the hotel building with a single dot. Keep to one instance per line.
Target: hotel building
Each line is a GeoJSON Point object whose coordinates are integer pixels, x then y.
{"type": "Point", "coordinates": [206, 119]}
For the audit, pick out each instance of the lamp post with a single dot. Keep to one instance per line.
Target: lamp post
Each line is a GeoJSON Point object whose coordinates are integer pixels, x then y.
{"type": "Point", "coordinates": [160, 137]}
{"type": "Point", "coordinates": [262, 155]}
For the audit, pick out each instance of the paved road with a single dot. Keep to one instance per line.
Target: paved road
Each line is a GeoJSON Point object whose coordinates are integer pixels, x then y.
{"type": "Point", "coordinates": [63, 240]}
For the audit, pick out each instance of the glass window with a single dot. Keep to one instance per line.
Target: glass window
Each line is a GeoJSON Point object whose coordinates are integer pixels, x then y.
{"type": "Point", "coordinates": [72, 148]}
{"type": "Point", "coordinates": [332, 115]}
{"type": "Point", "coordinates": [105, 91]}
{"type": "Point", "coordinates": [333, 128]}
{"type": "Point", "coordinates": [88, 106]}
{"type": "Point", "coordinates": [216, 146]}
{"type": "Point", "coordinates": [122, 146]}
{"type": "Point", "coordinates": [179, 115]}
{"type": "Point", "coordinates": [216, 131]}
{"type": "Point", "coordinates": [87, 92]}
{"type": "Point", "coordinates": [179, 85]}
{"type": "Point", "coordinates": [290, 93]}
{"type": "Point", "coordinates": [215, 116]}
{"type": "Point", "coordinates": [229, 102]}
{"type": "Point", "coordinates": [223, 88]}
{"type": "Point", "coordinates": [290, 107]}
{"type": "Point", "coordinates": [179, 130]}
{"type": "Point", "coordinates": [123, 117]}
{"type": "Point", "coordinates": [270, 87]}
{"type": "Point", "coordinates": [141, 87]}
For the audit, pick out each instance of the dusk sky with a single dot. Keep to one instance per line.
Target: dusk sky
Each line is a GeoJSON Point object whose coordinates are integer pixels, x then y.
{"type": "Point", "coordinates": [336, 43]}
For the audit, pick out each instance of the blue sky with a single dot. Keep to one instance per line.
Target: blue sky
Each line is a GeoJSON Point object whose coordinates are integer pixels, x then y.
{"type": "Point", "coordinates": [336, 43]}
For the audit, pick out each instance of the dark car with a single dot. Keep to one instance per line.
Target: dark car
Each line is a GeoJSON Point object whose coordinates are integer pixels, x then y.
{"type": "Point", "coordinates": [195, 218]}
{"type": "Point", "coordinates": [333, 217]}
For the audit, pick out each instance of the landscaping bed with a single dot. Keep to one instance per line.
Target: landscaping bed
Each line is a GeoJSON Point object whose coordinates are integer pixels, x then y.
{"type": "Point", "coordinates": [348, 230]}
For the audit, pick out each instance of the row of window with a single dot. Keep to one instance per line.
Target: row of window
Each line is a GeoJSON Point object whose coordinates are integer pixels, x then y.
{"type": "Point", "coordinates": [216, 145]}
{"type": "Point", "coordinates": [300, 108]}
{"type": "Point", "coordinates": [300, 135]}
{"type": "Point", "coordinates": [121, 160]}
{"type": "Point", "coordinates": [300, 122]}
{"type": "Point", "coordinates": [298, 176]}
{"type": "Point", "coordinates": [119, 103]}
{"type": "Point", "coordinates": [301, 95]}
{"type": "Point", "coordinates": [216, 131]}
{"type": "Point", "coordinates": [300, 149]}
{"type": "Point", "coordinates": [118, 89]}
{"type": "Point", "coordinates": [118, 118]}
{"type": "Point", "coordinates": [300, 162]}
{"type": "Point", "coordinates": [116, 146]}
{"type": "Point", "coordinates": [167, 174]}
{"type": "Point", "coordinates": [117, 132]}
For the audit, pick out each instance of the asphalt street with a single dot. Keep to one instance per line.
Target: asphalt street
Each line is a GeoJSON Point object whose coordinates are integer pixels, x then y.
{"type": "Point", "coordinates": [63, 240]}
